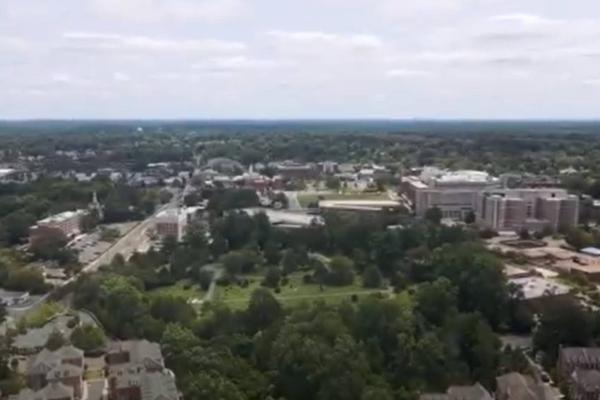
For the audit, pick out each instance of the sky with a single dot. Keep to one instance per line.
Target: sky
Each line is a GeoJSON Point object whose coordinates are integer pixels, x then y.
{"type": "Point", "coordinates": [279, 59]}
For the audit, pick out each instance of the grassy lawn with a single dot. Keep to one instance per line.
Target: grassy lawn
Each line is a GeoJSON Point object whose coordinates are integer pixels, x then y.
{"type": "Point", "coordinates": [306, 198]}
{"type": "Point", "coordinates": [94, 374]}
{"type": "Point", "coordinates": [40, 315]}
{"type": "Point", "coordinates": [292, 293]}
{"type": "Point", "coordinates": [183, 289]}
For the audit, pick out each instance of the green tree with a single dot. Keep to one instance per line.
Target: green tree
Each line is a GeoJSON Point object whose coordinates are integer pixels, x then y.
{"type": "Point", "coordinates": [436, 301]}
{"type": "Point", "coordinates": [262, 311]}
{"type": "Point", "coordinates": [562, 323]}
{"type": "Point", "coordinates": [372, 277]}
{"type": "Point", "coordinates": [434, 215]}
{"type": "Point", "coordinates": [212, 385]}
{"type": "Point", "coordinates": [88, 337]}
{"type": "Point", "coordinates": [55, 341]}
{"type": "Point", "coordinates": [272, 277]}
{"type": "Point", "coordinates": [579, 238]}
{"type": "Point", "coordinates": [470, 218]}
{"type": "Point", "coordinates": [376, 393]}
{"type": "Point", "coordinates": [341, 271]}
{"type": "Point", "coordinates": [332, 183]}
{"type": "Point", "coordinates": [172, 309]}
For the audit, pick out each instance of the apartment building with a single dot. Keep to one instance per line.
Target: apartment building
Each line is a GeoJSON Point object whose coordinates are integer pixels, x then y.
{"type": "Point", "coordinates": [67, 223]}
{"type": "Point", "coordinates": [534, 209]}
{"type": "Point", "coordinates": [171, 222]}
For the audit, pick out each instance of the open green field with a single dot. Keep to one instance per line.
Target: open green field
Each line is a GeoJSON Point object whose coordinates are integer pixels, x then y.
{"type": "Point", "coordinates": [294, 292]}
{"type": "Point", "coordinates": [182, 288]}
{"type": "Point", "coordinates": [306, 198]}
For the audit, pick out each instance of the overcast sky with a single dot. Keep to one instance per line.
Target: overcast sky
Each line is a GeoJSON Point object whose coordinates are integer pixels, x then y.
{"type": "Point", "coordinates": [300, 59]}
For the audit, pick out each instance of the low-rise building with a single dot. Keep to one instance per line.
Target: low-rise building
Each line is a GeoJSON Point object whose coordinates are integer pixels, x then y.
{"type": "Point", "coordinates": [54, 391]}
{"type": "Point", "coordinates": [64, 366]}
{"type": "Point", "coordinates": [469, 392]}
{"type": "Point", "coordinates": [384, 210]}
{"type": "Point", "coordinates": [536, 290]}
{"type": "Point", "coordinates": [572, 358]}
{"type": "Point", "coordinates": [67, 223]}
{"type": "Point", "coordinates": [136, 371]}
{"type": "Point", "coordinates": [288, 219]}
{"type": "Point", "coordinates": [584, 384]}
{"type": "Point", "coordinates": [294, 170]}
{"type": "Point", "coordinates": [12, 299]}
{"type": "Point", "coordinates": [516, 386]}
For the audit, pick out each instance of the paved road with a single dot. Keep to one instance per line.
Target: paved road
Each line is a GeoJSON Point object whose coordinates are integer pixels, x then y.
{"type": "Point", "coordinates": [293, 203]}
{"type": "Point", "coordinates": [127, 244]}
{"type": "Point", "coordinates": [217, 274]}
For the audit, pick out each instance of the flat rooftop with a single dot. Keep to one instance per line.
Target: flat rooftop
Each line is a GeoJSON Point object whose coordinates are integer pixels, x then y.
{"type": "Point", "coordinates": [60, 217]}
{"type": "Point", "coordinates": [470, 176]}
{"type": "Point", "coordinates": [365, 205]}
{"type": "Point", "coordinates": [286, 218]}
{"type": "Point", "coordinates": [535, 287]}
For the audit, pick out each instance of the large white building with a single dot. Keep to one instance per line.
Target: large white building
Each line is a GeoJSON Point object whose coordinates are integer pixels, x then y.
{"type": "Point", "coordinates": [460, 193]}
{"type": "Point", "coordinates": [455, 193]}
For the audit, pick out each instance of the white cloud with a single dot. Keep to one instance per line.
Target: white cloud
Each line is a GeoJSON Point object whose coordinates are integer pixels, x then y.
{"type": "Point", "coordinates": [406, 73]}
{"type": "Point", "coordinates": [14, 43]}
{"type": "Point", "coordinates": [409, 8]}
{"type": "Point", "coordinates": [115, 42]}
{"type": "Point", "coordinates": [66, 79]}
{"type": "Point", "coordinates": [121, 77]}
{"type": "Point", "coordinates": [312, 38]}
{"type": "Point", "coordinates": [524, 19]}
{"type": "Point", "coordinates": [164, 10]}
{"type": "Point", "coordinates": [236, 63]}
{"type": "Point", "coordinates": [592, 82]}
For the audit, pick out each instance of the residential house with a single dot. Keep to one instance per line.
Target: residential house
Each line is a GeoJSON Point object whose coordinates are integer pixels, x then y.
{"type": "Point", "coordinates": [584, 384]}
{"type": "Point", "coordinates": [471, 392]}
{"type": "Point", "coordinates": [516, 386]}
{"type": "Point", "coordinates": [136, 371]}
{"type": "Point", "coordinates": [579, 368]}
{"type": "Point", "coordinates": [54, 391]}
{"type": "Point", "coordinates": [64, 366]}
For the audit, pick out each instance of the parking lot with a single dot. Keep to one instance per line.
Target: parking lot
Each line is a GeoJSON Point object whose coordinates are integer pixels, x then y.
{"type": "Point", "coordinates": [90, 246]}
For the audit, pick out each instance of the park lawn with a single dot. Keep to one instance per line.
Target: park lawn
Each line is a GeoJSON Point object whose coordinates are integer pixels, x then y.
{"type": "Point", "coordinates": [306, 198]}
{"type": "Point", "coordinates": [183, 288]}
{"type": "Point", "coordinates": [293, 293]}
{"type": "Point", "coordinates": [42, 314]}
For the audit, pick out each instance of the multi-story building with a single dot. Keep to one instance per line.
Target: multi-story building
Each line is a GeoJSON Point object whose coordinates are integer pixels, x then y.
{"type": "Point", "coordinates": [454, 193]}
{"type": "Point", "coordinates": [536, 209]}
{"type": "Point", "coordinates": [171, 222]}
{"type": "Point", "coordinates": [293, 170]}
{"type": "Point", "coordinates": [67, 223]}
{"type": "Point", "coordinates": [460, 193]}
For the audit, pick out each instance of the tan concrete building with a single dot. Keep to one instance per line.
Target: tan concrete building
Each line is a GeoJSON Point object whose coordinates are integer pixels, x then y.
{"type": "Point", "coordinates": [67, 223]}
{"type": "Point", "coordinates": [171, 222]}
{"type": "Point", "coordinates": [455, 193]}
{"type": "Point", "coordinates": [535, 209]}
